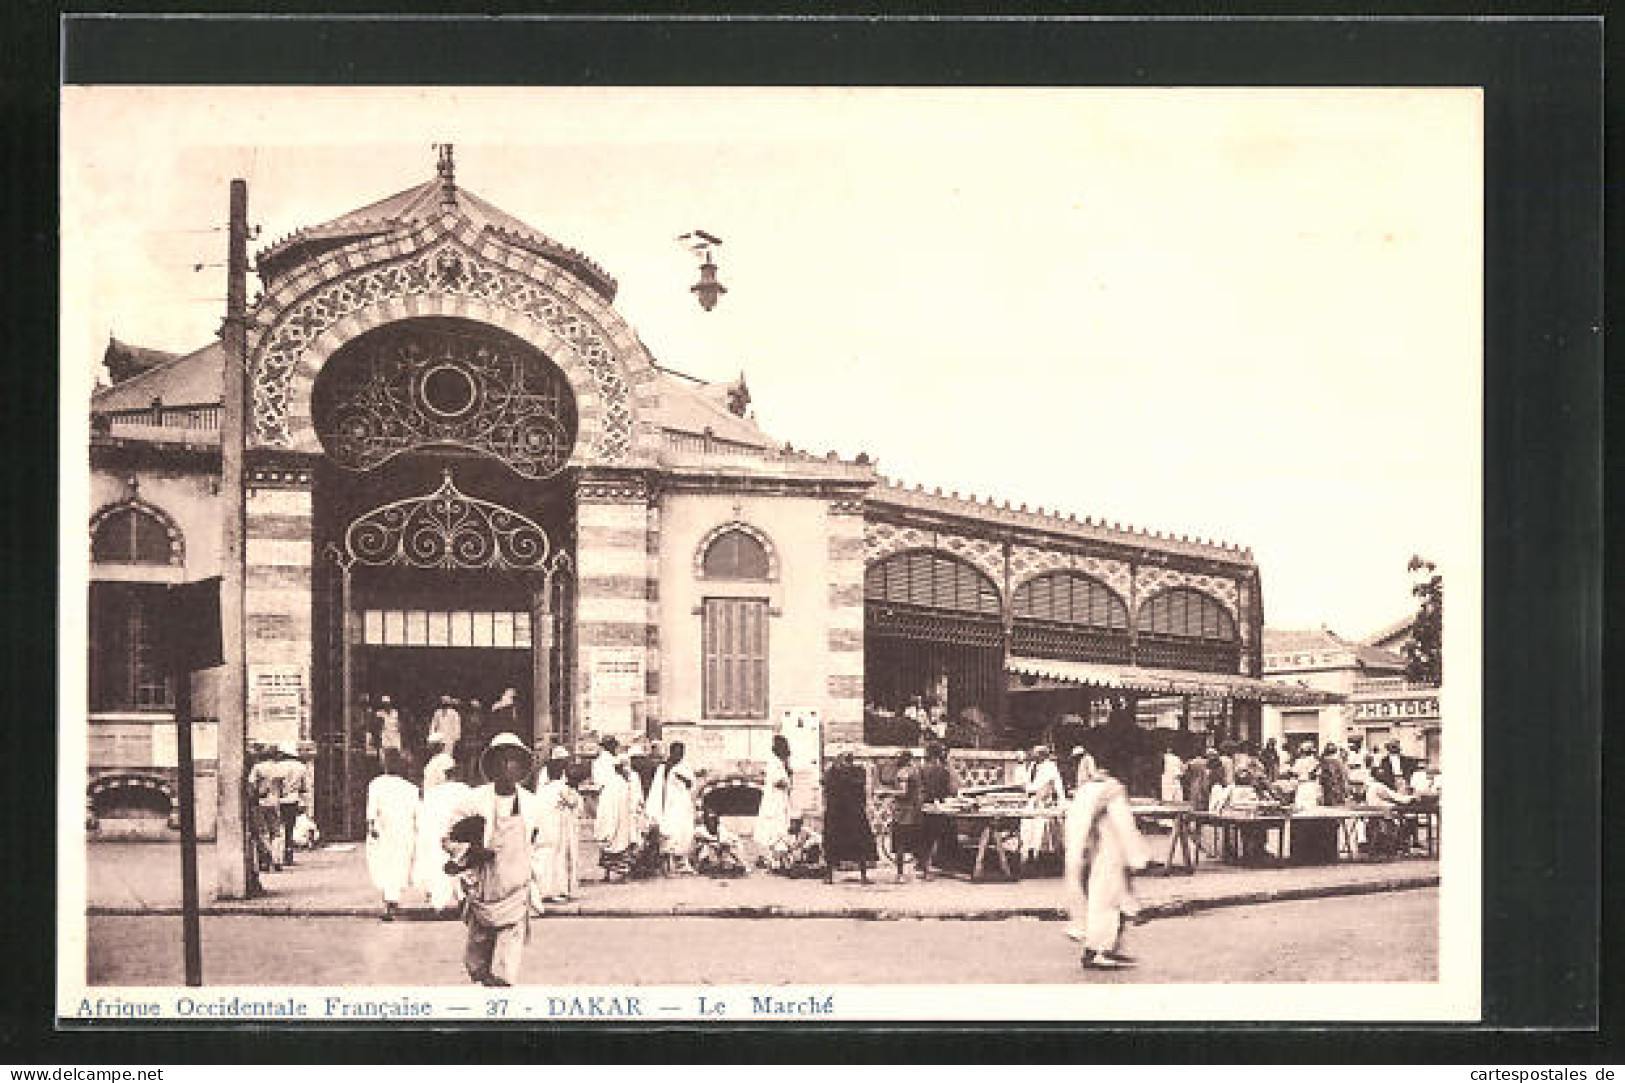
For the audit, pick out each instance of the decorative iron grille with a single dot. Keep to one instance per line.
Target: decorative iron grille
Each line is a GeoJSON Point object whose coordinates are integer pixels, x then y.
{"type": "Point", "coordinates": [1038, 639]}
{"type": "Point", "coordinates": [447, 529]}
{"type": "Point", "coordinates": [932, 626]}
{"type": "Point", "coordinates": [934, 580]}
{"type": "Point", "coordinates": [416, 385]}
{"type": "Point", "coordinates": [1203, 656]}
{"type": "Point", "coordinates": [1180, 611]}
{"type": "Point", "coordinates": [1067, 597]}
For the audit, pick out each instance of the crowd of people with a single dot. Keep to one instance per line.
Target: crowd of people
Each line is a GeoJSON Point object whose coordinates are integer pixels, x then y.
{"type": "Point", "coordinates": [452, 728]}
{"type": "Point", "coordinates": [495, 830]}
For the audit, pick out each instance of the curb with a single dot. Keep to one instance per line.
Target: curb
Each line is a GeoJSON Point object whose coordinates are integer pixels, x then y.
{"type": "Point", "coordinates": [1168, 909]}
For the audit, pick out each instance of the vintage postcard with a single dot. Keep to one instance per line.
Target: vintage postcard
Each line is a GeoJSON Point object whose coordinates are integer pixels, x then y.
{"type": "Point", "coordinates": [739, 554]}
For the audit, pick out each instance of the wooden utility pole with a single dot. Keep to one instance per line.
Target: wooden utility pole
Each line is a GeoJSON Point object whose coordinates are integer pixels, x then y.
{"type": "Point", "coordinates": [235, 871]}
{"type": "Point", "coordinates": [191, 641]}
{"type": "Point", "coordinates": [191, 943]}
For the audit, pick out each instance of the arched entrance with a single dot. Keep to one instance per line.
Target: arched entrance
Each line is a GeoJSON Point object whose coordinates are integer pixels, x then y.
{"type": "Point", "coordinates": [444, 520]}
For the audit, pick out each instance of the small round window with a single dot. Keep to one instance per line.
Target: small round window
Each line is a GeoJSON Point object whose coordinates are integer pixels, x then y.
{"type": "Point", "coordinates": [447, 390]}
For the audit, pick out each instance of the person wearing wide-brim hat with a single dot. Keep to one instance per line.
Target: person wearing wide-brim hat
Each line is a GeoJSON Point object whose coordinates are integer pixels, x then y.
{"type": "Point", "coordinates": [294, 795]}
{"type": "Point", "coordinates": [501, 888]}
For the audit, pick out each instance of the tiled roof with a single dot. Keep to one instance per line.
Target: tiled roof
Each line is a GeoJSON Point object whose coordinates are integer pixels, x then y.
{"type": "Point", "coordinates": [192, 379]}
{"type": "Point", "coordinates": [424, 203]}
{"type": "Point", "coordinates": [1378, 657]}
{"type": "Point", "coordinates": [1278, 640]}
{"type": "Point", "coordinates": [124, 361]}
{"type": "Point", "coordinates": [692, 406]}
{"type": "Point", "coordinates": [1366, 657]}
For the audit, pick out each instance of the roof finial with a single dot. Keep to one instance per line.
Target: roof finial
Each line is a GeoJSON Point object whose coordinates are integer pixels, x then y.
{"type": "Point", "coordinates": [448, 176]}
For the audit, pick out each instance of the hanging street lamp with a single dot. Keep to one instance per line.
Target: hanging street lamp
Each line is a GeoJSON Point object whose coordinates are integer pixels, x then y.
{"type": "Point", "coordinates": [707, 289]}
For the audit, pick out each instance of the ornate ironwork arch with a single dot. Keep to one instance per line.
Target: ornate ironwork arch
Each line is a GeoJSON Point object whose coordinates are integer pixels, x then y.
{"type": "Point", "coordinates": [422, 383]}
{"type": "Point", "coordinates": [450, 530]}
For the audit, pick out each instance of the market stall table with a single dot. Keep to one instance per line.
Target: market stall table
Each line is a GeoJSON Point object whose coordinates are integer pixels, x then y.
{"type": "Point", "coordinates": [1232, 823]}
{"type": "Point", "coordinates": [1423, 813]}
{"type": "Point", "coordinates": [993, 828]}
{"type": "Point", "coordinates": [1180, 842]}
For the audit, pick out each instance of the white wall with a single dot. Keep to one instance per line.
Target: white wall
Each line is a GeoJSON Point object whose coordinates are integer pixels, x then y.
{"type": "Point", "coordinates": [798, 632]}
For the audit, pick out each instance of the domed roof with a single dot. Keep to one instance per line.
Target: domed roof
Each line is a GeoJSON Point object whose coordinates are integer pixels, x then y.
{"type": "Point", "coordinates": [421, 204]}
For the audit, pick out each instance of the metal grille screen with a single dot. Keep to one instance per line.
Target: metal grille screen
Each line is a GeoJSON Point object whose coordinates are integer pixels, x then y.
{"type": "Point", "coordinates": [932, 580]}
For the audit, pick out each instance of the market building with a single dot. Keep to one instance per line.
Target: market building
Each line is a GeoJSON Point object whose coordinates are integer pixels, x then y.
{"type": "Point", "coordinates": [465, 474]}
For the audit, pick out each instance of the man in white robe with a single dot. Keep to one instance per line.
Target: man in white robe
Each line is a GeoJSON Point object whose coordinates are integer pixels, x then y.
{"type": "Point", "coordinates": [671, 805]}
{"type": "Point", "coordinates": [773, 815]}
{"type": "Point", "coordinates": [446, 724]}
{"type": "Point", "coordinates": [440, 803]}
{"type": "Point", "coordinates": [1103, 847]}
{"type": "Point", "coordinates": [392, 812]}
{"type": "Point", "coordinates": [558, 841]}
{"type": "Point", "coordinates": [1045, 791]}
{"type": "Point", "coordinates": [387, 725]}
{"type": "Point", "coordinates": [603, 776]}
{"type": "Point", "coordinates": [618, 825]}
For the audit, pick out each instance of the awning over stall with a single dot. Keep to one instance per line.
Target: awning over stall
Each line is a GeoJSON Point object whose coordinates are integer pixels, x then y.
{"type": "Point", "coordinates": [1160, 682]}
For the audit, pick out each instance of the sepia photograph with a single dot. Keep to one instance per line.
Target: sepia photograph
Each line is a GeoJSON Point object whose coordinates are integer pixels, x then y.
{"type": "Point", "coordinates": [669, 554]}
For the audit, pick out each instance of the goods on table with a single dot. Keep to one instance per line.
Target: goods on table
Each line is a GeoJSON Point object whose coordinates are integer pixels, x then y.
{"type": "Point", "coordinates": [1261, 808]}
{"type": "Point", "coordinates": [1000, 803]}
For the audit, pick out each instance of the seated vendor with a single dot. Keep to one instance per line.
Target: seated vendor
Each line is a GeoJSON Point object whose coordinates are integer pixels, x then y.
{"type": "Point", "coordinates": [798, 855]}
{"type": "Point", "coordinates": [717, 850]}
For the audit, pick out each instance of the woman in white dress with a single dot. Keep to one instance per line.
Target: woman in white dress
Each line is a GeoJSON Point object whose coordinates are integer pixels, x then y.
{"type": "Point", "coordinates": [773, 817]}
{"type": "Point", "coordinates": [671, 804]}
{"type": "Point", "coordinates": [392, 812]}
{"type": "Point", "coordinates": [558, 840]}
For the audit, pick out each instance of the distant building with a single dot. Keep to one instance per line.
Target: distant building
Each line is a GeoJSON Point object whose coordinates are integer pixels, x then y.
{"type": "Point", "coordinates": [1373, 700]}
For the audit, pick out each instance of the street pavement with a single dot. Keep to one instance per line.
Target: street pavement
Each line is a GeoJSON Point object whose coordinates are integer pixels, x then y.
{"type": "Point", "coordinates": [1387, 937]}
{"type": "Point", "coordinates": [140, 878]}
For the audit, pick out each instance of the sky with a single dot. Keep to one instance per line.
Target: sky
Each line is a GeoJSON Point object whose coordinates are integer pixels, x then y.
{"type": "Point", "coordinates": [1249, 316]}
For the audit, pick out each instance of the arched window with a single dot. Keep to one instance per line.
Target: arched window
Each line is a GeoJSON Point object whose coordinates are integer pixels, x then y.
{"type": "Point", "coordinates": [1187, 614]}
{"type": "Point", "coordinates": [734, 554]}
{"type": "Point", "coordinates": [1070, 598]}
{"type": "Point", "coordinates": [931, 579]}
{"type": "Point", "coordinates": [133, 535]}
{"type": "Point", "coordinates": [734, 624]}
